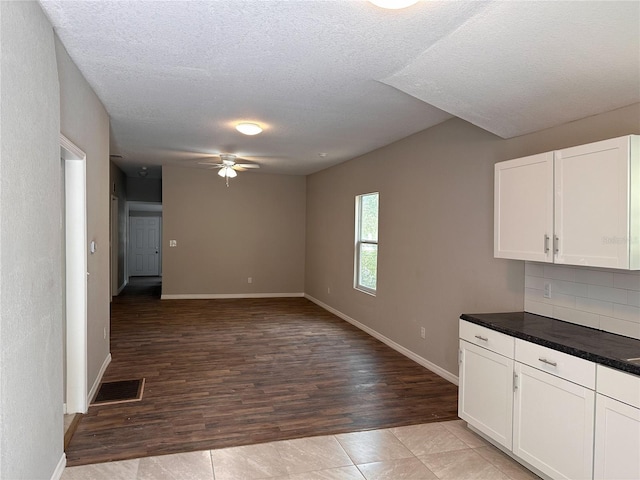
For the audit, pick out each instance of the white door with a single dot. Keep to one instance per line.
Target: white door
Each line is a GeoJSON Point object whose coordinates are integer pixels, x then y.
{"type": "Point", "coordinates": [523, 208]}
{"type": "Point", "coordinates": [485, 397]}
{"type": "Point", "coordinates": [553, 424]}
{"type": "Point", "coordinates": [144, 250]}
{"type": "Point", "coordinates": [592, 204]}
{"type": "Point", "coordinates": [617, 444]}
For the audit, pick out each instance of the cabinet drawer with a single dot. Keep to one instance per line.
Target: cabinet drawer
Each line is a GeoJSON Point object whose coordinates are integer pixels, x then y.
{"type": "Point", "coordinates": [574, 369]}
{"type": "Point", "coordinates": [487, 338]}
{"type": "Point", "coordinates": [621, 386]}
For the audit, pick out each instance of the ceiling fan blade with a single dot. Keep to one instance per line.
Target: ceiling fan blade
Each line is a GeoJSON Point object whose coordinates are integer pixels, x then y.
{"type": "Point", "coordinates": [211, 164]}
{"type": "Point", "coordinates": [247, 165]}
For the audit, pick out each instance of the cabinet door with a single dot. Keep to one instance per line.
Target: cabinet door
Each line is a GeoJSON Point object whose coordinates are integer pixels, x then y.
{"type": "Point", "coordinates": [617, 442]}
{"type": "Point", "coordinates": [485, 398]}
{"type": "Point", "coordinates": [553, 424]}
{"type": "Point", "coordinates": [523, 208]}
{"type": "Point", "coordinates": [592, 204]}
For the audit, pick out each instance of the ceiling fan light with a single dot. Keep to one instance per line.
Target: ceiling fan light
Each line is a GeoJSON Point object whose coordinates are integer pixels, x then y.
{"type": "Point", "coordinates": [393, 4]}
{"type": "Point", "coordinates": [249, 128]}
{"type": "Point", "coordinates": [227, 172]}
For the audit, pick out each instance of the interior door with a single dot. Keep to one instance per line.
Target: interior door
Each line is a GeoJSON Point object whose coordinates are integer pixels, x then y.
{"type": "Point", "coordinates": [144, 241]}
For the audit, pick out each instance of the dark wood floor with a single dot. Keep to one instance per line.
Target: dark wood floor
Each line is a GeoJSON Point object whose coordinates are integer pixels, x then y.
{"type": "Point", "coordinates": [223, 373]}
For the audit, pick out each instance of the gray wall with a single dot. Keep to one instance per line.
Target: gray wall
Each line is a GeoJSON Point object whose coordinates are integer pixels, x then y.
{"type": "Point", "coordinates": [254, 228]}
{"type": "Point", "coordinates": [144, 189]}
{"type": "Point", "coordinates": [85, 122]}
{"type": "Point", "coordinates": [31, 426]}
{"type": "Point", "coordinates": [435, 232]}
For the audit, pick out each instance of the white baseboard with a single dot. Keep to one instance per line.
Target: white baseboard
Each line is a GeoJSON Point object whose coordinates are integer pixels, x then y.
{"type": "Point", "coordinates": [213, 296]}
{"type": "Point", "coordinates": [96, 383]}
{"type": "Point", "coordinates": [396, 346]}
{"type": "Point", "coordinates": [57, 473]}
{"type": "Point", "coordinates": [124, 284]}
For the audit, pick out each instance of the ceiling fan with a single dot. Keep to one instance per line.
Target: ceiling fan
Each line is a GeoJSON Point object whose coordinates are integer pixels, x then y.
{"type": "Point", "coordinates": [228, 166]}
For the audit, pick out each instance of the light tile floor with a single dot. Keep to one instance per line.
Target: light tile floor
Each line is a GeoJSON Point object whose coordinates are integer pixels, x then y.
{"type": "Point", "coordinates": [446, 451]}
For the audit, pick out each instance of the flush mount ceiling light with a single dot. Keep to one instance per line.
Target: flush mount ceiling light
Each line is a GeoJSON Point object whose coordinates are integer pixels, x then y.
{"type": "Point", "coordinates": [249, 128]}
{"type": "Point", "coordinates": [393, 4]}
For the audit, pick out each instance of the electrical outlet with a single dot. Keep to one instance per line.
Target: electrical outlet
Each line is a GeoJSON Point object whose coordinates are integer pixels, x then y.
{"type": "Point", "coordinates": [547, 289]}
{"type": "Point", "coordinates": [249, 279]}
{"type": "Point", "coordinates": [173, 243]}
{"type": "Point", "coordinates": [329, 290]}
{"type": "Point", "coordinates": [423, 332]}
{"type": "Point", "coordinates": [104, 333]}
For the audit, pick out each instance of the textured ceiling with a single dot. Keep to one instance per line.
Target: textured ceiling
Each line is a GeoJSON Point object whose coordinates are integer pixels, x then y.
{"type": "Point", "coordinates": [520, 67]}
{"type": "Point", "coordinates": [341, 77]}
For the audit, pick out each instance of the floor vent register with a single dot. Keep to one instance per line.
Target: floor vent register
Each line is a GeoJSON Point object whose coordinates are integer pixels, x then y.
{"type": "Point", "coordinates": [121, 391]}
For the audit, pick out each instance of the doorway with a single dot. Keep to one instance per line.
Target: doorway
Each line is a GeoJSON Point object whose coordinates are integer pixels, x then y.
{"type": "Point", "coordinates": [75, 273]}
{"type": "Point", "coordinates": [113, 238]}
{"type": "Point", "coordinates": [144, 246]}
{"type": "Point", "coordinates": [143, 240]}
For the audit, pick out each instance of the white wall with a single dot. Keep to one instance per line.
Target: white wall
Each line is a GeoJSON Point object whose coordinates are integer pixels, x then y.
{"type": "Point", "coordinates": [600, 298]}
{"type": "Point", "coordinates": [31, 425]}
{"type": "Point", "coordinates": [84, 121]}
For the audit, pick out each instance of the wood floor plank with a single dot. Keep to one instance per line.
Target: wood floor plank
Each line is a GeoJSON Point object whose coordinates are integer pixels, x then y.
{"type": "Point", "coordinates": [223, 373]}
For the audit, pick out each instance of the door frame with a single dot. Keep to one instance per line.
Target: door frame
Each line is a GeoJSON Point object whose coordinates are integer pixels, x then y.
{"type": "Point", "coordinates": [114, 239]}
{"type": "Point", "coordinates": [75, 212]}
{"type": "Point", "coordinates": [138, 206]}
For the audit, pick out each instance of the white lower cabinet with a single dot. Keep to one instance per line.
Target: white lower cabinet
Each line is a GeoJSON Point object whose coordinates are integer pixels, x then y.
{"type": "Point", "coordinates": [486, 392]}
{"type": "Point", "coordinates": [553, 424]}
{"type": "Point", "coordinates": [617, 438]}
{"type": "Point", "coordinates": [540, 404]}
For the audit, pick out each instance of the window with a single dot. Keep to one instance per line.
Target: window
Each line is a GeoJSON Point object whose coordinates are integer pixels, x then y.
{"type": "Point", "coordinates": [366, 252]}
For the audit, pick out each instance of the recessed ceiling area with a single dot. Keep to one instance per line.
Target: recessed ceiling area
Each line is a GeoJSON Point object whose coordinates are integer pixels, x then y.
{"type": "Point", "coordinates": [339, 77]}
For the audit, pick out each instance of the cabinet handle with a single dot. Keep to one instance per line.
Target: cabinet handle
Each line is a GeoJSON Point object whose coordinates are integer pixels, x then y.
{"type": "Point", "coordinates": [480, 337]}
{"type": "Point", "coordinates": [548, 362]}
{"type": "Point", "coordinates": [546, 243]}
{"type": "Point", "coordinates": [556, 244]}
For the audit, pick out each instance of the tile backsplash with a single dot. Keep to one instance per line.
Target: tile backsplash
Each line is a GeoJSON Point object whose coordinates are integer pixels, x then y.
{"type": "Point", "coordinates": [600, 298]}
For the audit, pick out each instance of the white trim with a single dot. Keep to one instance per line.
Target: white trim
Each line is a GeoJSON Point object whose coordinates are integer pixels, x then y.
{"type": "Point", "coordinates": [396, 346]}
{"type": "Point", "coordinates": [149, 206]}
{"type": "Point", "coordinates": [57, 473]}
{"type": "Point", "coordinates": [124, 284]}
{"type": "Point", "coordinates": [76, 274]}
{"type": "Point", "coordinates": [207, 296]}
{"type": "Point", "coordinates": [96, 384]}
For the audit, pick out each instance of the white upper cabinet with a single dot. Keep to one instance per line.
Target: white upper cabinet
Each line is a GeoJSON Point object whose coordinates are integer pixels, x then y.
{"type": "Point", "coordinates": [523, 208]}
{"type": "Point", "coordinates": [576, 206]}
{"type": "Point", "coordinates": [594, 215]}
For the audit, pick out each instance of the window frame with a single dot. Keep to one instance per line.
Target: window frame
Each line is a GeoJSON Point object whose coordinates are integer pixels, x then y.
{"type": "Point", "coordinates": [359, 243]}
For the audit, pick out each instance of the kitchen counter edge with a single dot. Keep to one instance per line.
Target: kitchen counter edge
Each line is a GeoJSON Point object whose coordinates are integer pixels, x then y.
{"type": "Point", "coordinates": [575, 340]}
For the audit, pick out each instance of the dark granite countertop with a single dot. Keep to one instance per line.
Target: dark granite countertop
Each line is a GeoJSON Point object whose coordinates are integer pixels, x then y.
{"type": "Point", "coordinates": [594, 345]}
